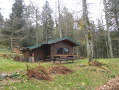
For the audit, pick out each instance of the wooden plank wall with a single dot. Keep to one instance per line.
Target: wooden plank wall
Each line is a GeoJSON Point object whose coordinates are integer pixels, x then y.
{"type": "Point", "coordinates": [61, 44]}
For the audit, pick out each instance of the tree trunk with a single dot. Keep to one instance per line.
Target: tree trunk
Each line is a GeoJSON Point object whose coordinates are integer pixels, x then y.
{"type": "Point", "coordinates": [85, 18]}
{"type": "Point", "coordinates": [91, 50]}
{"type": "Point", "coordinates": [11, 41]}
{"type": "Point", "coordinates": [87, 46]}
{"type": "Point", "coordinates": [77, 52]}
{"type": "Point", "coordinates": [59, 26]}
{"type": "Point", "coordinates": [116, 19]}
{"type": "Point", "coordinates": [87, 32]}
{"type": "Point", "coordinates": [36, 35]}
{"type": "Point", "coordinates": [96, 48]}
{"type": "Point", "coordinates": [106, 43]}
{"type": "Point", "coordinates": [36, 28]}
{"type": "Point", "coordinates": [108, 31]}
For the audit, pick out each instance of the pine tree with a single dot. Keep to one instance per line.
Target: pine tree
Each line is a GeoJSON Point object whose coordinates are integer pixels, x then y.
{"type": "Point", "coordinates": [47, 21]}
{"type": "Point", "coordinates": [1, 24]}
{"type": "Point", "coordinates": [17, 22]}
{"type": "Point", "coordinates": [108, 30]}
{"type": "Point", "coordinates": [1, 21]}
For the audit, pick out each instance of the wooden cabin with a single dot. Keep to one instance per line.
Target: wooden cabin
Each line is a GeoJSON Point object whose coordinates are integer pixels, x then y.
{"type": "Point", "coordinates": [51, 49]}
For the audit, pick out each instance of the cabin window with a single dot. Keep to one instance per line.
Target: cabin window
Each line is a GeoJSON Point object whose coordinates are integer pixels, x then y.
{"type": "Point", "coordinates": [66, 51]}
{"type": "Point", "coordinates": [60, 51]}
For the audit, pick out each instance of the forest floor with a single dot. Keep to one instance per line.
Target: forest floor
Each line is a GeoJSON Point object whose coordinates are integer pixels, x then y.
{"type": "Point", "coordinates": [83, 76]}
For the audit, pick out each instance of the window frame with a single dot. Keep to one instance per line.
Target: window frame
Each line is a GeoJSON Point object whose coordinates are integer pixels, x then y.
{"type": "Point", "coordinates": [63, 51]}
{"type": "Point", "coordinates": [60, 53]}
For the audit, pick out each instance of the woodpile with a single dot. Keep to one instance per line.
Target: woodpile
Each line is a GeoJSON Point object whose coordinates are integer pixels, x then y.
{"type": "Point", "coordinates": [112, 84]}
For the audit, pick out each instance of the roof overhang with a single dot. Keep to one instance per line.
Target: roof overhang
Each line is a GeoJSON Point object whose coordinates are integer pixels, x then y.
{"type": "Point", "coordinates": [67, 39]}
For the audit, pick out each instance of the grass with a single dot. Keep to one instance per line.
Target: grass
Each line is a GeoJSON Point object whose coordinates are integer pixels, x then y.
{"type": "Point", "coordinates": [10, 65]}
{"type": "Point", "coordinates": [82, 78]}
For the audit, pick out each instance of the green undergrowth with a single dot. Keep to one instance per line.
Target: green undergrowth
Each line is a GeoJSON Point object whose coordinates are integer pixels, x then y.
{"type": "Point", "coordinates": [83, 77]}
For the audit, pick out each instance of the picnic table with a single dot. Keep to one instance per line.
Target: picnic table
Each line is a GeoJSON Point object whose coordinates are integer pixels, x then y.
{"type": "Point", "coordinates": [64, 58]}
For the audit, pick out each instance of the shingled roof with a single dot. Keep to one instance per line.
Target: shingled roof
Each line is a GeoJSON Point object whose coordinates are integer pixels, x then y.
{"type": "Point", "coordinates": [53, 41]}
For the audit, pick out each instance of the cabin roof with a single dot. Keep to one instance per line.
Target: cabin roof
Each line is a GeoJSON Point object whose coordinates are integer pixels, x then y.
{"type": "Point", "coordinates": [54, 41]}
{"type": "Point", "coordinates": [35, 46]}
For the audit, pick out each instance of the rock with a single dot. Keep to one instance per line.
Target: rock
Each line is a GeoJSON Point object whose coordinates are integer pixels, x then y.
{"type": "Point", "coordinates": [3, 75]}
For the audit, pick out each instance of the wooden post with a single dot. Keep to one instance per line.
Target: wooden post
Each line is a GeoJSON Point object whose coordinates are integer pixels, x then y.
{"type": "Point", "coordinates": [31, 59]}
{"type": "Point", "coordinates": [77, 52]}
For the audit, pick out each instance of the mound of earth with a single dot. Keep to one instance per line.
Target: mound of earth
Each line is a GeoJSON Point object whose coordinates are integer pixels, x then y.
{"type": "Point", "coordinates": [59, 70]}
{"type": "Point", "coordinates": [96, 63]}
{"type": "Point", "coordinates": [17, 58]}
{"type": "Point", "coordinates": [39, 73]}
{"type": "Point", "coordinates": [6, 56]}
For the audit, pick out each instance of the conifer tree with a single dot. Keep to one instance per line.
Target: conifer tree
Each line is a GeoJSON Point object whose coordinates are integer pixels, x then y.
{"type": "Point", "coordinates": [47, 21]}
{"type": "Point", "coordinates": [17, 22]}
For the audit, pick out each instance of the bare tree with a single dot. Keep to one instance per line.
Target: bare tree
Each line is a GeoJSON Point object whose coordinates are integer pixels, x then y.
{"type": "Point", "coordinates": [114, 9]}
{"type": "Point", "coordinates": [59, 13]}
{"type": "Point", "coordinates": [36, 18]}
{"type": "Point", "coordinates": [108, 31]}
{"type": "Point", "coordinates": [88, 35]}
{"type": "Point", "coordinates": [85, 19]}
